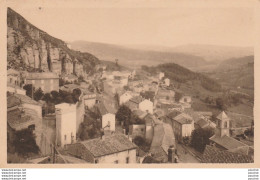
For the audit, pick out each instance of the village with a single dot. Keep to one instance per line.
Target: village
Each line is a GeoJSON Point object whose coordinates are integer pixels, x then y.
{"type": "Point", "coordinates": [114, 117]}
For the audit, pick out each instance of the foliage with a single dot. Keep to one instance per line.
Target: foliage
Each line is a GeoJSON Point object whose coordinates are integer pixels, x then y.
{"type": "Point", "coordinates": [24, 142]}
{"type": "Point", "coordinates": [61, 82]}
{"type": "Point", "coordinates": [69, 99]}
{"type": "Point", "coordinates": [200, 138]}
{"type": "Point", "coordinates": [221, 104]}
{"type": "Point", "coordinates": [209, 100]}
{"type": "Point", "coordinates": [178, 96]}
{"type": "Point", "coordinates": [81, 78]}
{"type": "Point", "coordinates": [124, 114]}
{"type": "Point", "coordinates": [38, 94]}
{"type": "Point", "coordinates": [90, 127]}
{"type": "Point", "coordinates": [142, 143]}
{"type": "Point", "coordinates": [177, 73]}
{"type": "Point", "coordinates": [148, 95]}
{"type": "Point", "coordinates": [29, 89]}
{"type": "Point", "coordinates": [47, 97]}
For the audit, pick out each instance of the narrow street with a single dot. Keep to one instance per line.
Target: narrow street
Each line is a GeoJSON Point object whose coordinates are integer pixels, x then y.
{"type": "Point", "coordinates": [185, 156]}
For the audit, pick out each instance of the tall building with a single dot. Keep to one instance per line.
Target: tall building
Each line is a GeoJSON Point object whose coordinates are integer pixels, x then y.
{"type": "Point", "coordinates": [66, 125]}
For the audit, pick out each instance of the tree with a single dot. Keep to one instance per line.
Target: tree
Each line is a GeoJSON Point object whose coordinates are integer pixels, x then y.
{"type": "Point", "coordinates": [69, 99]}
{"type": "Point", "coordinates": [178, 96]}
{"type": "Point", "coordinates": [81, 78]}
{"type": "Point", "coordinates": [200, 138]}
{"type": "Point", "coordinates": [124, 115]}
{"type": "Point", "coordinates": [220, 103]}
{"type": "Point", "coordinates": [76, 94]}
{"type": "Point", "coordinates": [148, 95]}
{"type": "Point", "coordinates": [117, 99]}
{"type": "Point", "coordinates": [29, 89]}
{"type": "Point", "coordinates": [38, 94]}
{"type": "Point", "coordinates": [47, 97]}
{"type": "Point", "coordinates": [54, 94]}
{"type": "Point", "coordinates": [61, 82]}
{"type": "Point", "coordinates": [24, 142]}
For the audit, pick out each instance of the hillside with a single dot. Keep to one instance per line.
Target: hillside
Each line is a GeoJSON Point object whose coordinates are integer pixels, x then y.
{"type": "Point", "coordinates": [211, 53]}
{"type": "Point", "coordinates": [181, 75]}
{"type": "Point", "coordinates": [137, 57]}
{"type": "Point", "coordinates": [30, 48]}
{"type": "Point", "coordinates": [234, 63]}
{"type": "Point", "coordinates": [236, 73]}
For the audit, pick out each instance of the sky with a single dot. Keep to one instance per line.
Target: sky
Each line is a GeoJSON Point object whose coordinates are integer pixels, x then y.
{"type": "Point", "coordinates": [230, 26]}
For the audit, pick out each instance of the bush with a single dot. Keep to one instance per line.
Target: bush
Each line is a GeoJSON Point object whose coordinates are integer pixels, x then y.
{"type": "Point", "coordinates": [200, 138]}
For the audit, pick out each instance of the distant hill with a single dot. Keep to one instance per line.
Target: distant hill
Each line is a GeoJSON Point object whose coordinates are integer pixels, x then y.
{"type": "Point", "coordinates": [236, 72]}
{"type": "Point", "coordinates": [235, 63]}
{"type": "Point", "coordinates": [211, 53]}
{"type": "Point", "coordinates": [177, 73]}
{"type": "Point", "coordinates": [137, 57]}
{"type": "Point", "coordinates": [29, 48]}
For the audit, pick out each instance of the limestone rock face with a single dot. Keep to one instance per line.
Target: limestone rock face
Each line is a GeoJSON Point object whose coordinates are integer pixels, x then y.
{"type": "Point", "coordinates": [34, 50]}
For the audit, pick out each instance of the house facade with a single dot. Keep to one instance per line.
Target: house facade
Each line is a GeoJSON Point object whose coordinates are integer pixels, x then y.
{"type": "Point", "coordinates": [46, 81]}
{"type": "Point", "coordinates": [167, 82]}
{"type": "Point", "coordinates": [182, 124]}
{"type": "Point", "coordinates": [66, 125]}
{"type": "Point", "coordinates": [90, 100]}
{"type": "Point", "coordinates": [117, 149]}
{"type": "Point", "coordinates": [124, 98]}
{"type": "Point", "coordinates": [146, 105]}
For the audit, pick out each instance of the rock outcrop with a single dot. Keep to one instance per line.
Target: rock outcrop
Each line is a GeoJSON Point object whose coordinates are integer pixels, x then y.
{"type": "Point", "coordinates": [32, 49]}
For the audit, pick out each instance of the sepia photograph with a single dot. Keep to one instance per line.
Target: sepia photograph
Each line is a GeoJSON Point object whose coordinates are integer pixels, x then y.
{"type": "Point", "coordinates": [129, 84]}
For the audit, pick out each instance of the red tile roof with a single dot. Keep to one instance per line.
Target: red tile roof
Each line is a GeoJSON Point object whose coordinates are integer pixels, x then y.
{"type": "Point", "coordinates": [110, 145]}
{"type": "Point", "coordinates": [20, 119]}
{"type": "Point", "coordinates": [213, 155]}
{"type": "Point", "coordinates": [222, 116]}
{"type": "Point", "coordinates": [227, 142]}
{"type": "Point", "coordinates": [17, 99]}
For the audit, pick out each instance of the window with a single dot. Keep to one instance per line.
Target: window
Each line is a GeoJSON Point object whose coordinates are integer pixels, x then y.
{"type": "Point", "coordinates": [127, 160]}
{"type": "Point", "coordinates": [31, 127]}
{"type": "Point", "coordinates": [116, 162]}
{"type": "Point", "coordinates": [96, 161]}
{"type": "Point", "coordinates": [226, 124]}
{"type": "Point", "coordinates": [11, 80]}
{"type": "Point", "coordinates": [65, 137]}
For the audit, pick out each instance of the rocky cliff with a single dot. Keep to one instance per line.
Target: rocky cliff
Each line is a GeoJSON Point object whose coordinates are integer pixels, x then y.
{"type": "Point", "coordinates": [31, 49]}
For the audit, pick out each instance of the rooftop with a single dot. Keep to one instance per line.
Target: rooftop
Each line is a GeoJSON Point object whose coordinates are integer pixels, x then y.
{"type": "Point", "coordinates": [65, 106]}
{"type": "Point", "coordinates": [163, 138]}
{"type": "Point", "coordinates": [213, 155]}
{"type": "Point", "coordinates": [17, 99]}
{"type": "Point", "coordinates": [109, 145]}
{"type": "Point", "coordinates": [227, 142]}
{"type": "Point", "coordinates": [13, 72]}
{"type": "Point", "coordinates": [19, 119]}
{"type": "Point", "coordinates": [139, 113]}
{"type": "Point", "coordinates": [202, 123]}
{"type": "Point", "coordinates": [222, 116]}
{"type": "Point", "coordinates": [136, 99]}
{"type": "Point", "coordinates": [183, 119]}
{"type": "Point", "coordinates": [43, 75]}
{"type": "Point", "coordinates": [105, 109]}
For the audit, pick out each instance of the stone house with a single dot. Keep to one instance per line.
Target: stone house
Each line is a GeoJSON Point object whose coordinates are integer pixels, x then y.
{"type": "Point", "coordinates": [116, 148]}
{"type": "Point", "coordinates": [46, 81]}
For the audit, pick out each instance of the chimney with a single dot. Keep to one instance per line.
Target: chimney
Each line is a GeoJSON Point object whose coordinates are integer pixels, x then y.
{"type": "Point", "coordinates": [171, 154]}
{"type": "Point", "coordinates": [130, 138]}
